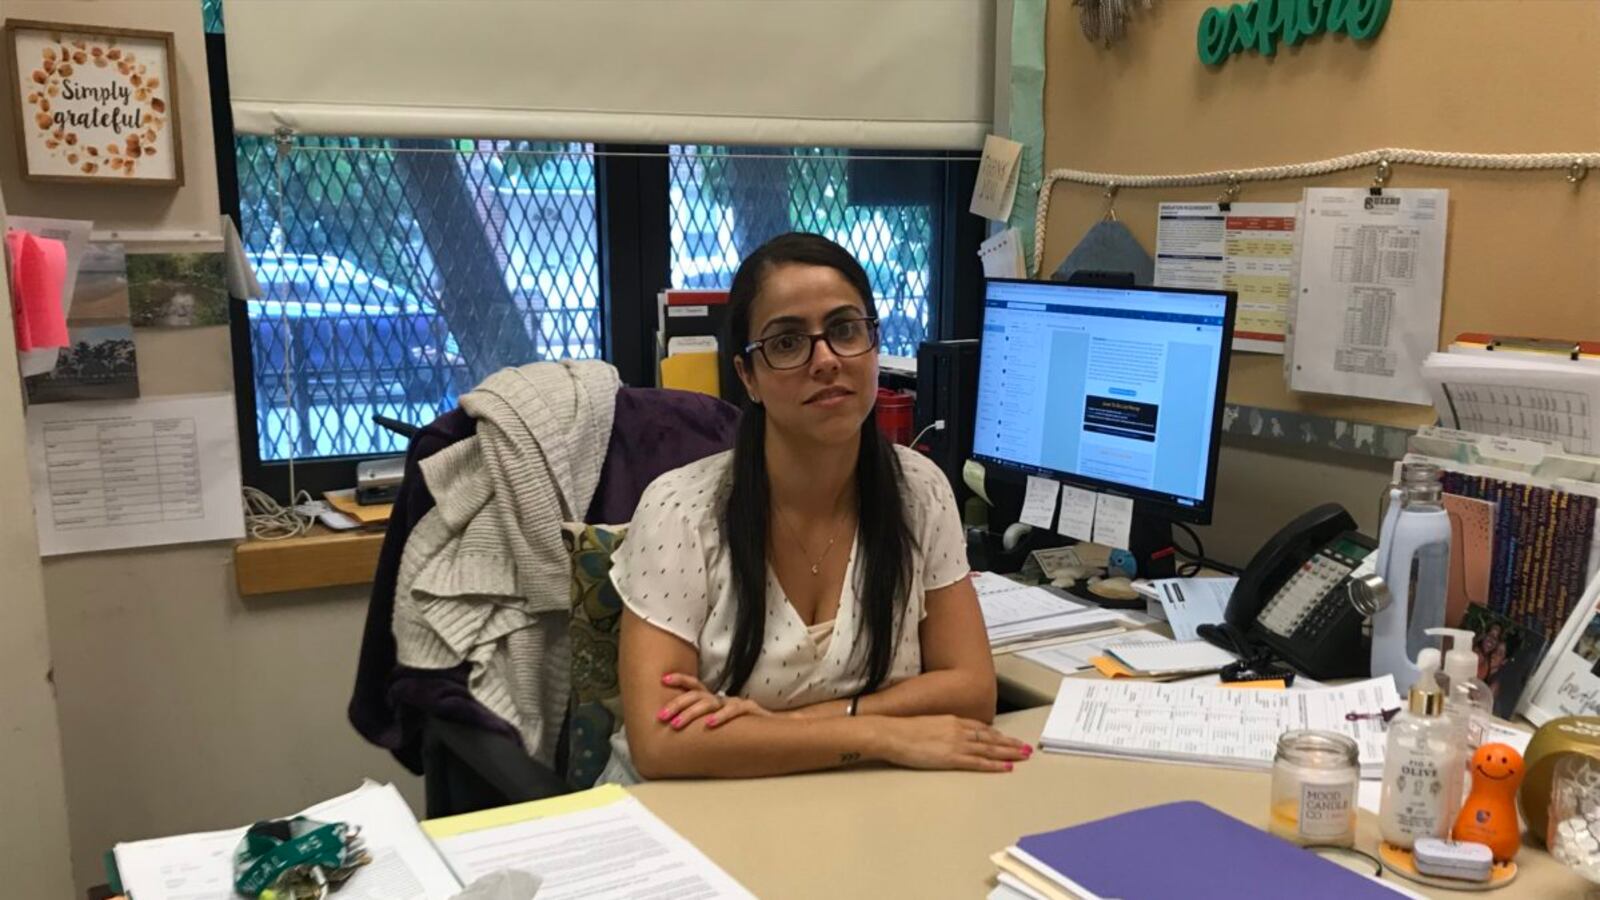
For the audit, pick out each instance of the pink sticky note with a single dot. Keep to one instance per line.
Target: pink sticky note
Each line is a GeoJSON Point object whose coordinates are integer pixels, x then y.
{"type": "Point", "coordinates": [38, 274]}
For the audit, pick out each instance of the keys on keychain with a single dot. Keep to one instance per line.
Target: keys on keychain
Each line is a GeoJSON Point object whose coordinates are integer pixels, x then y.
{"type": "Point", "coordinates": [310, 882]}
{"type": "Point", "coordinates": [297, 859]}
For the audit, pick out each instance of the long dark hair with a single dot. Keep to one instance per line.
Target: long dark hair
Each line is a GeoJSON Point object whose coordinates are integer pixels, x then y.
{"type": "Point", "coordinates": [884, 537]}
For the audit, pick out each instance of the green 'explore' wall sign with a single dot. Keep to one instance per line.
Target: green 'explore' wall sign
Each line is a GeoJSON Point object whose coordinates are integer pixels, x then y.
{"type": "Point", "coordinates": [1262, 24]}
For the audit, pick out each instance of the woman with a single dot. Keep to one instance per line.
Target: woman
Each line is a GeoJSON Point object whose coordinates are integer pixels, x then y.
{"type": "Point", "coordinates": [802, 602]}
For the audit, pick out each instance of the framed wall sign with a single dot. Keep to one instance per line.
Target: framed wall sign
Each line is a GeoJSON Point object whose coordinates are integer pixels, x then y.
{"type": "Point", "coordinates": [95, 104]}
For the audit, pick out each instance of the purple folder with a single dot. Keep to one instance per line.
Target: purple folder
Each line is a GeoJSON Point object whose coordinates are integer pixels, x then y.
{"type": "Point", "coordinates": [1189, 850]}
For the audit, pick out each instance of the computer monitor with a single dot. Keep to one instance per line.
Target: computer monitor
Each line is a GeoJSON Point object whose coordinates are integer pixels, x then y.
{"type": "Point", "coordinates": [1117, 389]}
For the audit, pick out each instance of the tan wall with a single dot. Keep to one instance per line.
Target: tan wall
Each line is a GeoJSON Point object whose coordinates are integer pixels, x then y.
{"type": "Point", "coordinates": [181, 705]}
{"type": "Point", "coordinates": [1497, 76]}
{"type": "Point", "coordinates": [33, 838]}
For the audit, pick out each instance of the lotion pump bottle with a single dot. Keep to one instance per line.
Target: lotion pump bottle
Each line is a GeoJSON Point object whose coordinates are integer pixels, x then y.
{"type": "Point", "coordinates": [1467, 698]}
{"type": "Point", "coordinates": [1422, 768]}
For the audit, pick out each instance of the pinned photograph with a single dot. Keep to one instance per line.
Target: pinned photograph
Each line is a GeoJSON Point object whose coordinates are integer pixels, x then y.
{"type": "Point", "coordinates": [177, 290]}
{"type": "Point", "coordinates": [99, 362]}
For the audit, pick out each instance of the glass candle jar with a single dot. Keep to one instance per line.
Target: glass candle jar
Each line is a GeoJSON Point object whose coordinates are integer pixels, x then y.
{"type": "Point", "coordinates": [1314, 780]}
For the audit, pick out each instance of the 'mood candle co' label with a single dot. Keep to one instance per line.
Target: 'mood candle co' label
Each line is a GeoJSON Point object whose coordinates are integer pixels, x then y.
{"type": "Point", "coordinates": [1325, 809]}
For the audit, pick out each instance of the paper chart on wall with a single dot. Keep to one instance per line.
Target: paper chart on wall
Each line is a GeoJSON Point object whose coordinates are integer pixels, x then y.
{"type": "Point", "coordinates": [1248, 249]}
{"type": "Point", "coordinates": [135, 473]}
{"type": "Point", "coordinates": [1371, 282]}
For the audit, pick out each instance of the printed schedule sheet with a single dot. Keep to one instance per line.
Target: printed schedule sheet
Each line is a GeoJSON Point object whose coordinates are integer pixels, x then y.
{"type": "Point", "coordinates": [134, 473]}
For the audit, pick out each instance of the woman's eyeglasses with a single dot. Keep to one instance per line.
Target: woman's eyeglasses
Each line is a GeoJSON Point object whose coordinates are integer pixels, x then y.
{"type": "Point", "coordinates": [793, 349]}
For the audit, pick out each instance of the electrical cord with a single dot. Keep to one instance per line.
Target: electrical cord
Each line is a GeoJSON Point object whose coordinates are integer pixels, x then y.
{"type": "Point", "coordinates": [1197, 560]}
{"type": "Point", "coordinates": [268, 520]}
{"type": "Point", "coordinates": [936, 425]}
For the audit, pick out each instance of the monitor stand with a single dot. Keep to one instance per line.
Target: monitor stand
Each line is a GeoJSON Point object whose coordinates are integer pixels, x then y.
{"type": "Point", "coordinates": [1150, 542]}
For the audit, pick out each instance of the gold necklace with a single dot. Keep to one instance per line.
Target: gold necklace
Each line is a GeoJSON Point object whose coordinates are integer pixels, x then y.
{"type": "Point", "coordinates": [816, 565]}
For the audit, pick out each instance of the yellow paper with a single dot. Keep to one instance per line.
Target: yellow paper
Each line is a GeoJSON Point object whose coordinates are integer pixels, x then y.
{"type": "Point", "coordinates": [1269, 684]}
{"type": "Point", "coordinates": [691, 372]}
{"type": "Point", "coordinates": [593, 798]}
{"type": "Point", "coordinates": [1110, 668]}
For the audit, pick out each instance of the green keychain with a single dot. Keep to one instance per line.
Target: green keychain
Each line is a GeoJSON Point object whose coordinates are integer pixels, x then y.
{"type": "Point", "coordinates": [296, 859]}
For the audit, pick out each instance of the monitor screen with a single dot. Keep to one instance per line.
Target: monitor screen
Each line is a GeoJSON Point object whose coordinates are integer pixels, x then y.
{"type": "Point", "coordinates": [1106, 387]}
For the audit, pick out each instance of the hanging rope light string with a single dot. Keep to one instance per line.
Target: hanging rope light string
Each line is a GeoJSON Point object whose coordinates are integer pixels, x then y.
{"type": "Point", "coordinates": [1575, 165]}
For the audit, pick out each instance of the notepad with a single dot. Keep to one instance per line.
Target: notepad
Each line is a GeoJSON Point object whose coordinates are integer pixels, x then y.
{"type": "Point", "coordinates": [1209, 725]}
{"type": "Point", "coordinates": [1171, 657]}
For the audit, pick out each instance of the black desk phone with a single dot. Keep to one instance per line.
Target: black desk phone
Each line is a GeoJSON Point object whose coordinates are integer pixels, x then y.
{"type": "Point", "coordinates": [1294, 596]}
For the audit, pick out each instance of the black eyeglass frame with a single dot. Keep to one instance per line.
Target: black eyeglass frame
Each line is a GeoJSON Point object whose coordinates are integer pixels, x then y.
{"type": "Point", "coordinates": [815, 336]}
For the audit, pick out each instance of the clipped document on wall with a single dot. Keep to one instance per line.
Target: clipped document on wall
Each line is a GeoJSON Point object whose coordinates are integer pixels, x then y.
{"type": "Point", "coordinates": [1519, 395]}
{"type": "Point", "coordinates": [1370, 286]}
{"type": "Point", "coordinates": [74, 233]}
{"type": "Point", "coordinates": [1248, 248]}
{"type": "Point", "coordinates": [1002, 257]}
{"type": "Point", "coordinates": [134, 473]}
{"type": "Point", "coordinates": [600, 843]}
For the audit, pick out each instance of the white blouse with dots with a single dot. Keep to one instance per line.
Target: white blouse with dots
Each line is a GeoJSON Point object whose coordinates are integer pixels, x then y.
{"type": "Point", "coordinates": [675, 572]}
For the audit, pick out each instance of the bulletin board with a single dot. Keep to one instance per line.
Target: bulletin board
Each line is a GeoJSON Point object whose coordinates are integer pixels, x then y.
{"type": "Point", "coordinates": [1487, 76]}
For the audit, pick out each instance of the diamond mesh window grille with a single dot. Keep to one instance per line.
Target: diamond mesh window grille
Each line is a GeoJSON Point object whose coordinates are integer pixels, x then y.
{"type": "Point", "coordinates": [399, 273]}
{"type": "Point", "coordinates": [725, 201]}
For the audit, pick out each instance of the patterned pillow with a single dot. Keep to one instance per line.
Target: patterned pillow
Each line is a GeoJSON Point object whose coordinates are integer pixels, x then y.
{"type": "Point", "coordinates": [596, 704]}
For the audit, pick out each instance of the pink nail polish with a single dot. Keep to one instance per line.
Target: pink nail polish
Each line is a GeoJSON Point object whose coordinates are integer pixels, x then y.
{"type": "Point", "coordinates": [666, 679]}
{"type": "Point", "coordinates": [678, 722]}
{"type": "Point", "coordinates": [663, 715]}
{"type": "Point", "coordinates": [1008, 767]}
{"type": "Point", "coordinates": [711, 722]}
{"type": "Point", "coordinates": [1027, 750]}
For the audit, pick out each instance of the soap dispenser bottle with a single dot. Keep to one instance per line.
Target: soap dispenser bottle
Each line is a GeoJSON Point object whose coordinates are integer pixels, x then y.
{"type": "Point", "coordinates": [1422, 768]}
{"type": "Point", "coordinates": [1468, 699]}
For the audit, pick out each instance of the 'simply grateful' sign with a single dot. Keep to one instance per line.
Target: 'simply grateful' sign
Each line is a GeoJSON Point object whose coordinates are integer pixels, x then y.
{"type": "Point", "coordinates": [95, 103]}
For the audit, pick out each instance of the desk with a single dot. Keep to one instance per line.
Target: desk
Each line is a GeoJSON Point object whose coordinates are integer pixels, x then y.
{"type": "Point", "coordinates": [896, 833]}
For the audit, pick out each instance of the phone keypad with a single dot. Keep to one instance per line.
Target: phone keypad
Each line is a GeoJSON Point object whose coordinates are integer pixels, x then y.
{"type": "Point", "coordinates": [1298, 606]}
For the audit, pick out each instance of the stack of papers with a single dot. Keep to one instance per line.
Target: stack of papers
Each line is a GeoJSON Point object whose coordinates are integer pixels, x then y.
{"type": "Point", "coordinates": [1210, 725]}
{"type": "Point", "coordinates": [1188, 603]}
{"type": "Point", "coordinates": [405, 865]}
{"type": "Point", "coordinates": [1076, 656]}
{"type": "Point", "coordinates": [596, 843]}
{"type": "Point", "coordinates": [1014, 613]}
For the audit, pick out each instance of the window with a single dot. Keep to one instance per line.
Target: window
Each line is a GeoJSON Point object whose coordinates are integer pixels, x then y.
{"type": "Point", "coordinates": [726, 201]}
{"type": "Point", "coordinates": [397, 274]}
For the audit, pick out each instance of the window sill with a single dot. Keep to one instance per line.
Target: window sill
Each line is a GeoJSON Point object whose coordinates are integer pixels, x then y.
{"type": "Point", "coordinates": [322, 558]}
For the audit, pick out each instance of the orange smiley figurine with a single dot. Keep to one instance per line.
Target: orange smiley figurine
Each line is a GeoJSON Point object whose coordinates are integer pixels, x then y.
{"type": "Point", "coordinates": [1490, 814]}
